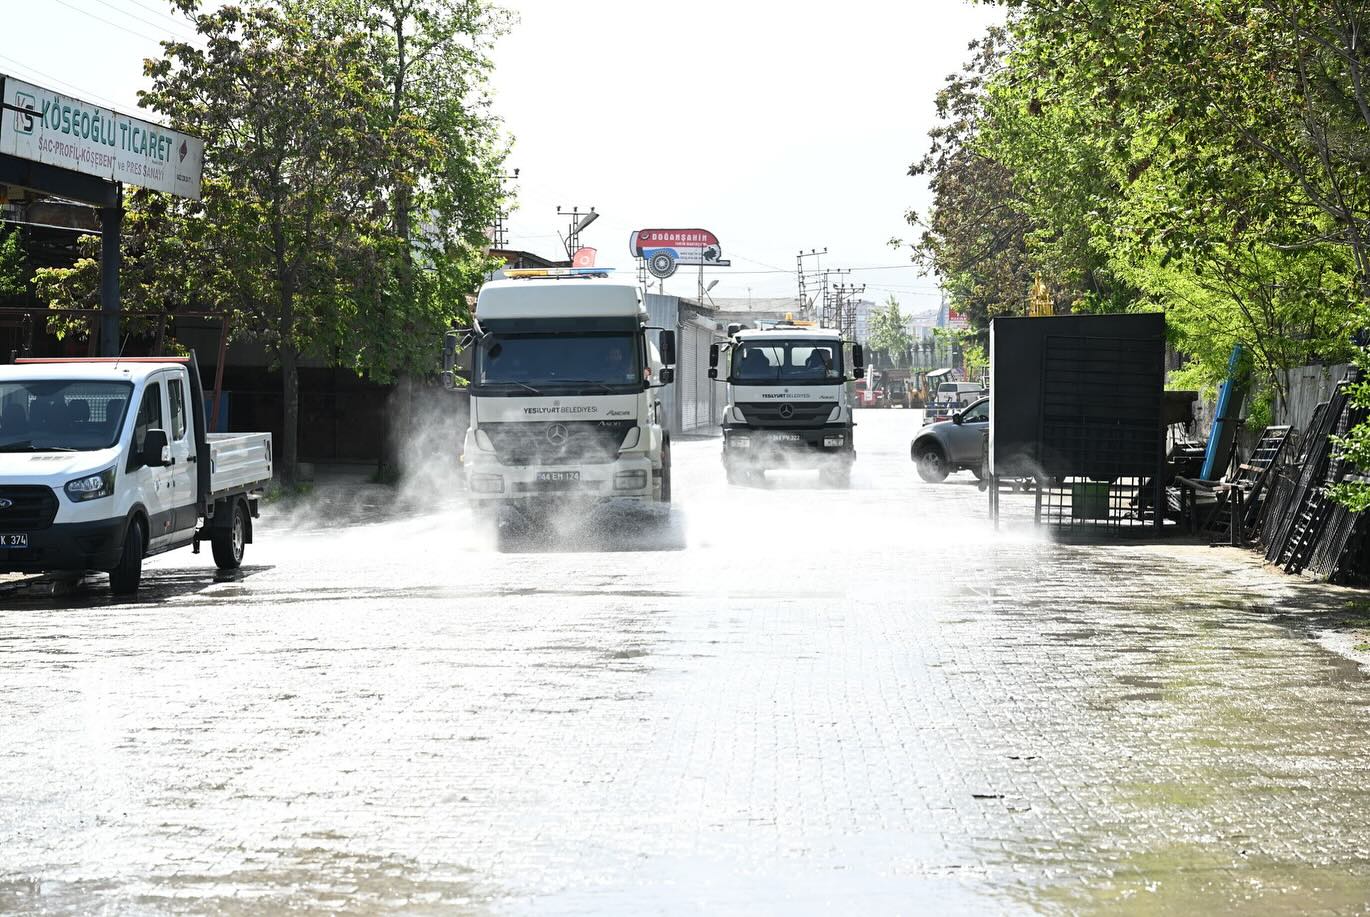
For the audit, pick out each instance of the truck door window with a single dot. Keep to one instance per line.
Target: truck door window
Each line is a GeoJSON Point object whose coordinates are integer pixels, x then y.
{"type": "Point", "coordinates": [176, 394]}
{"type": "Point", "coordinates": [149, 418]}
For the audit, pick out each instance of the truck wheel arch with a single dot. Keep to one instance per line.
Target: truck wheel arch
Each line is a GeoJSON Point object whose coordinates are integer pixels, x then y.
{"type": "Point", "coordinates": [223, 515]}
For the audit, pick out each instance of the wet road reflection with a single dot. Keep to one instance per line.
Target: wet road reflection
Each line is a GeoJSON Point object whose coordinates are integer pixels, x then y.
{"type": "Point", "coordinates": [787, 698]}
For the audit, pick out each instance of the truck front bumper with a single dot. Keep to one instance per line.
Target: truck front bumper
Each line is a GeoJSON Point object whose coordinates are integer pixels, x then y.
{"type": "Point", "coordinates": [787, 446]}
{"type": "Point", "coordinates": [68, 547]}
{"type": "Point", "coordinates": [630, 477]}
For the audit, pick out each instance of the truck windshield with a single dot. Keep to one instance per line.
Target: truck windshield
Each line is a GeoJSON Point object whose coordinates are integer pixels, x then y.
{"type": "Point", "coordinates": [53, 415]}
{"type": "Point", "coordinates": [559, 361]}
{"type": "Point", "coordinates": [803, 362]}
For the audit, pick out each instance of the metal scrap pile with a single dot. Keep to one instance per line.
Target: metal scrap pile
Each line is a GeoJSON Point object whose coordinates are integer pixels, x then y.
{"type": "Point", "coordinates": [1299, 526]}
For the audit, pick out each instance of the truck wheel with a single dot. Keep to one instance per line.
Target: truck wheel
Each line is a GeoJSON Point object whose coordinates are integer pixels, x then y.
{"type": "Point", "coordinates": [932, 465]}
{"type": "Point", "coordinates": [125, 577]}
{"type": "Point", "coordinates": [229, 543]}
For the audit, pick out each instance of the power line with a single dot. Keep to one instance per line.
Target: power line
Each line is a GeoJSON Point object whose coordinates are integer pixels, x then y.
{"type": "Point", "coordinates": [167, 16]}
{"type": "Point", "coordinates": [122, 11]}
{"type": "Point", "coordinates": [108, 22]}
{"type": "Point", "coordinates": [76, 90]}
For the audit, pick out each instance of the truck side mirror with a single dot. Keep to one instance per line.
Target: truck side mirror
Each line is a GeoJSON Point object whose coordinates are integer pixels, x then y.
{"type": "Point", "coordinates": [713, 359]}
{"type": "Point", "coordinates": [667, 375]}
{"type": "Point", "coordinates": [858, 359]}
{"type": "Point", "coordinates": [713, 372]}
{"type": "Point", "coordinates": [155, 449]}
{"type": "Point", "coordinates": [667, 345]}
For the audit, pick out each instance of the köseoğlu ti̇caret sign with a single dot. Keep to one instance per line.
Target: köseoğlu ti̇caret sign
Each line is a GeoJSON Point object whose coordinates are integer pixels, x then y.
{"type": "Point", "coordinates": [47, 127]}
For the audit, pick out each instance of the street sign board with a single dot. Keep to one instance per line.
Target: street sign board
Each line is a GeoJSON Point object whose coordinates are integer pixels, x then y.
{"type": "Point", "coordinates": [48, 127]}
{"type": "Point", "coordinates": [666, 249]}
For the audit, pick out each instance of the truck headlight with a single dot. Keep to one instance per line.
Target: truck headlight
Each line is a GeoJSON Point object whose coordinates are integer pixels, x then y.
{"type": "Point", "coordinates": [92, 487]}
{"type": "Point", "coordinates": [836, 413]}
{"type": "Point", "coordinates": [483, 442]}
{"type": "Point", "coordinates": [486, 483]}
{"type": "Point", "coordinates": [630, 480]}
{"type": "Point", "coordinates": [631, 439]}
{"type": "Point", "coordinates": [738, 416]}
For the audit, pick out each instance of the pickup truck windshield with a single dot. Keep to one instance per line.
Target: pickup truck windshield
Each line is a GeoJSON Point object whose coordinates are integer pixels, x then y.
{"type": "Point", "coordinates": [53, 415]}
{"type": "Point", "coordinates": [558, 362]}
{"type": "Point", "coordinates": [802, 362]}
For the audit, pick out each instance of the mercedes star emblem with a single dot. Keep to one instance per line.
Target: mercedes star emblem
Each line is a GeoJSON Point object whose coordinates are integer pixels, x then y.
{"type": "Point", "coordinates": [557, 434]}
{"type": "Point", "coordinates": [5, 504]}
{"type": "Point", "coordinates": [786, 411]}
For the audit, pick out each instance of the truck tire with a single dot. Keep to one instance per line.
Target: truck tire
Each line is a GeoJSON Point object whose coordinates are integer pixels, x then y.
{"type": "Point", "coordinates": [932, 464]}
{"type": "Point", "coordinates": [128, 573]}
{"type": "Point", "coordinates": [229, 542]}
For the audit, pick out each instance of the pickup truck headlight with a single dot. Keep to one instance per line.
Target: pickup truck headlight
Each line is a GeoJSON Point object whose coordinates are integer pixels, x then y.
{"type": "Point", "coordinates": [92, 487]}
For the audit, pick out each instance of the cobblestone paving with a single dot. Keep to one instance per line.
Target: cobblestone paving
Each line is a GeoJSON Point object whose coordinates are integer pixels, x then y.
{"type": "Point", "coordinates": [799, 701]}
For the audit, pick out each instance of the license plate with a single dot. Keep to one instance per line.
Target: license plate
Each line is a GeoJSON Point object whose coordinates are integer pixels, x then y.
{"type": "Point", "coordinates": [787, 438]}
{"type": "Point", "coordinates": [831, 441]}
{"type": "Point", "coordinates": [14, 541]}
{"type": "Point", "coordinates": [561, 476]}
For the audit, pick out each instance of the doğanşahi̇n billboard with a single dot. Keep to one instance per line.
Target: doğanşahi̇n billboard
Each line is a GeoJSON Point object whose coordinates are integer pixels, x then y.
{"type": "Point", "coordinates": [48, 127]}
{"type": "Point", "coordinates": [664, 249]}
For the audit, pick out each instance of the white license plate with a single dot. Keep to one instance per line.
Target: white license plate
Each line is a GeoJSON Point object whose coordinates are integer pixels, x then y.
{"type": "Point", "coordinates": [14, 541]}
{"type": "Point", "coordinates": [787, 438]}
{"type": "Point", "coordinates": [741, 442]}
{"type": "Point", "coordinates": [831, 441]}
{"type": "Point", "coordinates": [558, 476]}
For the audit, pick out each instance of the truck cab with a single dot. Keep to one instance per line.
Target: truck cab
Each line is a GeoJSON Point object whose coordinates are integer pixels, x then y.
{"type": "Point", "coordinates": [104, 462]}
{"type": "Point", "coordinates": [564, 378]}
{"type": "Point", "coordinates": [789, 400]}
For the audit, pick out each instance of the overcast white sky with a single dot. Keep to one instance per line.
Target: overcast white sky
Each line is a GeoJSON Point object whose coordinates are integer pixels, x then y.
{"type": "Point", "coordinates": [778, 126]}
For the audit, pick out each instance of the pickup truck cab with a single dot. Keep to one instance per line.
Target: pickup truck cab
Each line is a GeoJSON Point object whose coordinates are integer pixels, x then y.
{"type": "Point", "coordinates": [104, 462]}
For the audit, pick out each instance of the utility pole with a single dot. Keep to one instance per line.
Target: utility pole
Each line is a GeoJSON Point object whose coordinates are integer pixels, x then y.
{"type": "Point", "coordinates": [500, 234]}
{"type": "Point", "coordinates": [844, 309]}
{"type": "Point", "coordinates": [807, 279]}
{"type": "Point", "coordinates": [578, 222]}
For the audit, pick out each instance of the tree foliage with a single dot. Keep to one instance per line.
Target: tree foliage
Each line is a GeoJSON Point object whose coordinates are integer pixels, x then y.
{"type": "Point", "coordinates": [1206, 157]}
{"type": "Point", "coordinates": [14, 272]}
{"type": "Point", "coordinates": [889, 332]}
{"type": "Point", "coordinates": [351, 170]}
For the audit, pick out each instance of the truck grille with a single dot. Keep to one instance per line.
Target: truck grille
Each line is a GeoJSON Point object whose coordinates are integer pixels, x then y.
{"type": "Point", "coordinates": [30, 508]}
{"type": "Point", "coordinates": [589, 442]}
{"type": "Point", "coordinates": [772, 413]}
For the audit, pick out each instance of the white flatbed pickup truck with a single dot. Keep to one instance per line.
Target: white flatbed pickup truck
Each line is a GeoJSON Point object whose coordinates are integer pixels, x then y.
{"type": "Point", "coordinates": [104, 462]}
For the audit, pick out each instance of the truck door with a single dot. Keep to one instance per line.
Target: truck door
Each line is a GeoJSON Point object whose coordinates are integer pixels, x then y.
{"type": "Point", "coordinates": [180, 436]}
{"type": "Point", "coordinates": [154, 484]}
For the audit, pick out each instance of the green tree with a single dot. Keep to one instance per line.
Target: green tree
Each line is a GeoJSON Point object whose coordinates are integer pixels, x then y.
{"type": "Point", "coordinates": [291, 237]}
{"type": "Point", "coordinates": [889, 332]}
{"type": "Point", "coordinates": [14, 272]}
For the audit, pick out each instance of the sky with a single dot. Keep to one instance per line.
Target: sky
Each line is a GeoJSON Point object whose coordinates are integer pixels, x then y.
{"type": "Point", "coordinates": [778, 127]}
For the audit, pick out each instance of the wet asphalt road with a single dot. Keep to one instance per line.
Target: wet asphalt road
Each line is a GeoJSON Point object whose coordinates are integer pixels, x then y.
{"type": "Point", "coordinates": [785, 700]}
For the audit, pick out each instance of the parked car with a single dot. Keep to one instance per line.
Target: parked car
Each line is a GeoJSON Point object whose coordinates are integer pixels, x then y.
{"type": "Point", "coordinates": [940, 449]}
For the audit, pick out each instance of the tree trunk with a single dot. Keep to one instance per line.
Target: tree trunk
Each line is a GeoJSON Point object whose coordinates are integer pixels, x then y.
{"type": "Point", "coordinates": [290, 430]}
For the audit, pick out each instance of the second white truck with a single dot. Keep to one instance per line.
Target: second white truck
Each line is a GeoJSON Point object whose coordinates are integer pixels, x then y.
{"type": "Point", "coordinates": [789, 400]}
{"type": "Point", "coordinates": [104, 462]}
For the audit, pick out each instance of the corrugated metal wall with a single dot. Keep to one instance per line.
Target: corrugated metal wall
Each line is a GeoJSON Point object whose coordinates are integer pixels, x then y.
{"type": "Point", "coordinates": [694, 403]}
